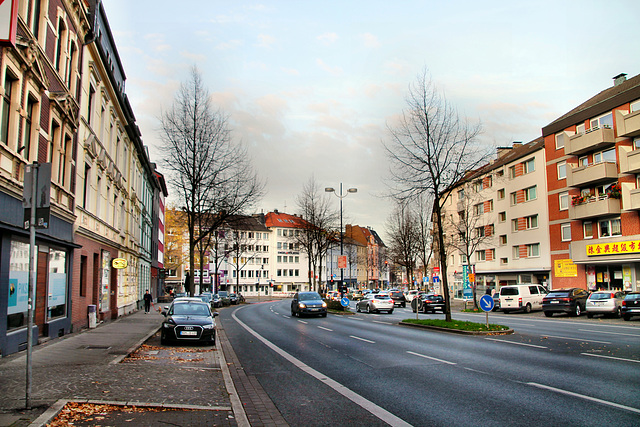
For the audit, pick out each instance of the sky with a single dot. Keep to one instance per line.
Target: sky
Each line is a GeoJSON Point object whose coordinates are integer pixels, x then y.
{"type": "Point", "coordinates": [311, 87]}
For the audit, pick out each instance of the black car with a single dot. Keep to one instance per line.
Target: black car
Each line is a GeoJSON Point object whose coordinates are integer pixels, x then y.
{"type": "Point", "coordinates": [224, 298]}
{"type": "Point", "coordinates": [398, 298]}
{"type": "Point", "coordinates": [308, 303]}
{"type": "Point", "coordinates": [631, 305]}
{"type": "Point", "coordinates": [572, 301]}
{"type": "Point", "coordinates": [496, 301]}
{"type": "Point", "coordinates": [189, 321]}
{"type": "Point", "coordinates": [428, 303]}
{"type": "Point", "coordinates": [216, 301]}
{"type": "Point", "coordinates": [233, 299]}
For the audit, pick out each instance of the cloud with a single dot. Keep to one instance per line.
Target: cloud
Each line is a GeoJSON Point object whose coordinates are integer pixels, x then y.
{"type": "Point", "coordinates": [327, 38]}
{"type": "Point", "coordinates": [370, 40]}
{"type": "Point", "coordinates": [265, 40]}
{"type": "Point", "coordinates": [195, 57]}
{"type": "Point", "coordinates": [290, 71]}
{"type": "Point", "coordinates": [336, 71]}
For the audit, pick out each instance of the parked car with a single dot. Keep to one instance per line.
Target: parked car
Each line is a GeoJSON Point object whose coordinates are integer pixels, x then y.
{"type": "Point", "coordinates": [233, 299]}
{"type": "Point", "coordinates": [224, 298]}
{"type": "Point", "coordinates": [496, 301]}
{"type": "Point", "coordinates": [521, 297]}
{"type": "Point", "coordinates": [189, 321]}
{"type": "Point", "coordinates": [605, 302]}
{"type": "Point", "coordinates": [398, 299]}
{"type": "Point", "coordinates": [631, 305]}
{"type": "Point", "coordinates": [308, 303]}
{"type": "Point", "coordinates": [216, 300]}
{"type": "Point", "coordinates": [208, 298]}
{"type": "Point", "coordinates": [429, 303]}
{"type": "Point", "coordinates": [570, 300]}
{"type": "Point", "coordinates": [410, 295]}
{"type": "Point", "coordinates": [373, 303]}
{"type": "Point", "coordinates": [357, 295]}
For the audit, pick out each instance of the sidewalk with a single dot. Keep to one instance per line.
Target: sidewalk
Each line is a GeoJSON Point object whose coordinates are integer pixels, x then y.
{"type": "Point", "coordinates": [85, 366]}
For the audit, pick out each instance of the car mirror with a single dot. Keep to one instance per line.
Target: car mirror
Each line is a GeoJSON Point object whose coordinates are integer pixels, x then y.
{"type": "Point", "coordinates": [214, 314]}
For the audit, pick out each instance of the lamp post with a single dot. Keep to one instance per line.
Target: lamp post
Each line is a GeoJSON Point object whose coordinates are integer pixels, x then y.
{"type": "Point", "coordinates": [341, 196]}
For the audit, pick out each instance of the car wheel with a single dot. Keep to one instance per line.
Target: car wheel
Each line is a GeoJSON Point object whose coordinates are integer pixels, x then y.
{"type": "Point", "coordinates": [213, 340]}
{"type": "Point", "coordinates": [618, 313]}
{"type": "Point", "coordinates": [163, 339]}
{"type": "Point", "coordinates": [357, 308]}
{"type": "Point", "coordinates": [527, 308]}
{"type": "Point", "coordinates": [626, 317]}
{"type": "Point", "coordinates": [578, 311]}
{"type": "Point", "coordinates": [390, 311]}
{"type": "Point", "coordinates": [404, 305]}
{"type": "Point", "coordinates": [548, 313]}
{"type": "Point", "coordinates": [368, 309]}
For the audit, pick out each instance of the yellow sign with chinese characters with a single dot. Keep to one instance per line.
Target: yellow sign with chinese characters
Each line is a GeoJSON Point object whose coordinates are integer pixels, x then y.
{"type": "Point", "coordinates": [565, 268]}
{"type": "Point", "coordinates": [614, 248]}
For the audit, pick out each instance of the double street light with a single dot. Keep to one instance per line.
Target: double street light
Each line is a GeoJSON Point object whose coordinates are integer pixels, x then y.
{"type": "Point", "coordinates": [341, 196]}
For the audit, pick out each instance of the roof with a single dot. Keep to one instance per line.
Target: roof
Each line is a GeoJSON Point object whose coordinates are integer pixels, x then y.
{"type": "Point", "coordinates": [284, 220]}
{"type": "Point", "coordinates": [604, 101]}
{"type": "Point", "coordinates": [245, 223]}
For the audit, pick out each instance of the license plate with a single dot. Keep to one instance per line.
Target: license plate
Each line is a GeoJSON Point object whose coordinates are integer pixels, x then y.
{"type": "Point", "coordinates": [555, 302]}
{"type": "Point", "coordinates": [189, 333]}
{"type": "Point", "coordinates": [315, 309]}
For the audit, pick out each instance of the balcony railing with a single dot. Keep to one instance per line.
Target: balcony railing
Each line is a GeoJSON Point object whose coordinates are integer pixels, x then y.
{"type": "Point", "coordinates": [595, 206]}
{"type": "Point", "coordinates": [629, 160]}
{"type": "Point", "coordinates": [593, 174]}
{"type": "Point", "coordinates": [628, 124]}
{"type": "Point", "coordinates": [593, 139]}
{"type": "Point", "coordinates": [632, 201]}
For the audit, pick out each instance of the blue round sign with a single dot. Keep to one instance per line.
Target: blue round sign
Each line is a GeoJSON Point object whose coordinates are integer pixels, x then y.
{"type": "Point", "coordinates": [486, 303]}
{"type": "Point", "coordinates": [345, 302]}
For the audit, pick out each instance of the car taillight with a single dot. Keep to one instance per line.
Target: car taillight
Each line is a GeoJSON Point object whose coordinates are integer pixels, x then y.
{"type": "Point", "coordinates": [519, 301]}
{"type": "Point", "coordinates": [612, 296]}
{"type": "Point", "coordinates": [624, 303]}
{"type": "Point", "coordinates": [565, 299]}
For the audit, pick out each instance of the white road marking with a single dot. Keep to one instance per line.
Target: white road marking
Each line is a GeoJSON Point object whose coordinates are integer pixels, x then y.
{"type": "Point", "coordinates": [610, 333]}
{"type": "Point", "coordinates": [575, 339]}
{"type": "Point", "coordinates": [517, 343]}
{"type": "Point", "coordinates": [582, 396]}
{"type": "Point", "coordinates": [610, 357]}
{"type": "Point", "coordinates": [383, 323]}
{"type": "Point", "coordinates": [361, 339]}
{"type": "Point", "coordinates": [302, 321]}
{"type": "Point", "coordinates": [326, 329]}
{"type": "Point", "coordinates": [374, 409]}
{"type": "Point", "coordinates": [431, 358]}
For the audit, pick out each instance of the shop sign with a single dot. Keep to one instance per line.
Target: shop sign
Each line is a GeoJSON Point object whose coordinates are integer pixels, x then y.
{"type": "Point", "coordinates": [616, 248]}
{"type": "Point", "coordinates": [565, 268]}
{"type": "Point", "coordinates": [119, 263]}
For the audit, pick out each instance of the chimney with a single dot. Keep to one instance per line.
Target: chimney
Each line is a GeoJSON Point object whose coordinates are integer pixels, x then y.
{"type": "Point", "coordinates": [619, 79]}
{"type": "Point", "coordinates": [502, 151]}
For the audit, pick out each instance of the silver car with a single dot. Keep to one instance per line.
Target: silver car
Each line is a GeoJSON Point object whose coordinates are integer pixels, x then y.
{"type": "Point", "coordinates": [605, 302]}
{"type": "Point", "coordinates": [374, 303]}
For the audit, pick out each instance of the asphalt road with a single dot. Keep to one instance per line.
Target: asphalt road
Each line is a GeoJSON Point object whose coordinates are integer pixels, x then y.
{"type": "Point", "coordinates": [364, 369]}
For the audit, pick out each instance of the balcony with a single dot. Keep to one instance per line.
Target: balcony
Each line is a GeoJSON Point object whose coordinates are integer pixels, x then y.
{"type": "Point", "coordinates": [632, 201]}
{"type": "Point", "coordinates": [596, 206]}
{"type": "Point", "coordinates": [628, 124]}
{"type": "Point", "coordinates": [593, 139]}
{"type": "Point", "coordinates": [592, 175]}
{"type": "Point", "coordinates": [629, 160]}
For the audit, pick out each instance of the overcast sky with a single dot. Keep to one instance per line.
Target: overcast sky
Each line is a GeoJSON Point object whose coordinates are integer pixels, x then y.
{"type": "Point", "coordinates": [310, 86]}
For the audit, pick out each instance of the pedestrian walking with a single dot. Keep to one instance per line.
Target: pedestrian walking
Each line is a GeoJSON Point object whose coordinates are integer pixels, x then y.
{"type": "Point", "coordinates": [147, 302]}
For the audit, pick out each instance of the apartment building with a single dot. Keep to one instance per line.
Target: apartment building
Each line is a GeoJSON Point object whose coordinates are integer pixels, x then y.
{"type": "Point", "coordinates": [354, 272]}
{"type": "Point", "coordinates": [593, 172]}
{"type": "Point", "coordinates": [375, 266]}
{"type": "Point", "coordinates": [495, 223]}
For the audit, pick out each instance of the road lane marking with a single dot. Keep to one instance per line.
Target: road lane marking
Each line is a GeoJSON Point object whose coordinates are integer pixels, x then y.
{"type": "Point", "coordinates": [517, 343]}
{"type": "Point", "coordinates": [368, 405]}
{"type": "Point", "coordinates": [383, 323]}
{"type": "Point", "coordinates": [302, 321]}
{"type": "Point", "coordinates": [431, 358]}
{"type": "Point", "coordinates": [610, 357]}
{"type": "Point", "coordinates": [326, 329]}
{"type": "Point", "coordinates": [356, 318]}
{"type": "Point", "coordinates": [361, 339]}
{"type": "Point", "coordinates": [574, 339]}
{"type": "Point", "coordinates": [582, 396]}
{"type": "Point", "coordinates": [610, 333]}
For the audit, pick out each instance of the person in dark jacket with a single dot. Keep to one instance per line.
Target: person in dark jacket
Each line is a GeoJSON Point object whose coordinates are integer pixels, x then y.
{"type": "Point", "coordinates": [147, 302]}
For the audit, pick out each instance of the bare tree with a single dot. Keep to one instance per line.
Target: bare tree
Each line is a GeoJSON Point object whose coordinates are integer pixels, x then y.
{"type": "Point", "coordinates": [403, 229]}
{"type": "Point", "coordinates": [211, 175]}
{"type": "Point", "coordinates": [319, 222]}
{"type": "Point", "coordinates": [430, 150]}
{"type": "Point", "coordinates": [423, 213]}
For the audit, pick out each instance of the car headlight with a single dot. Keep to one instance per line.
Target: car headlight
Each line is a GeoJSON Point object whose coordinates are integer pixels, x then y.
{"type": "Point", "coordinates": [168, 325]}
{"type": "Point", "coordinates": [302, 305]}
{"type": "Point", "coordinates": [210, 326]}
{"type": "Point", "coordinates": [324, 304]}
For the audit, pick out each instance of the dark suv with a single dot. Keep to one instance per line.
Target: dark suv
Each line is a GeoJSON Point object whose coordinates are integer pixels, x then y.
{"type": "Point", "coordinates": [570, 300]}
{"type": "Point", "coordinates": [398, 298]}
{"type": "Point", "coordinates": [631, 305]}
{"type": "Point", "coordinates": [428, 303]}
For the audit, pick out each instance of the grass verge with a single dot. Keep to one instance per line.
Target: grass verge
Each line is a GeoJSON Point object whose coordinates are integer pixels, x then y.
{"type": "Point", "coordinates": [458, 324]}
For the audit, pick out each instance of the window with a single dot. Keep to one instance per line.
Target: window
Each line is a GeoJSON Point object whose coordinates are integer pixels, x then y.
{"type": "Point", "coordinates": [512, 172]}
{"type": "Point", "coordinates": [513, 197]}
{"type": "Point", "coordinates": [489, 182]}
{"type": "Point", "coordinates": [502, 216]}
{"type": "Point", "coordinates": [28, 129]}
{"type": "Point", "coordinates": [9, 82]}
{"type": "Point", "coordinates": [605, 156]}
{"type": "Point", "coordinates": [501, 194]}
{"type": "Point", "coordinates": [504, 261]}
{"type": "Point", "coordinates": [562, 170]}
{"type": "Point", "coordinates": [477, 185]}
{"type": "Point", "coordinates": [85, 194]}
{"type": "Point", "coordinates": [33, 16]}
{"type": "Point", "coordinates": [503, 239]}
{"type": "Point", "coordinates": [580, 129]}
{"type": "Point", "coordinates": [563, 200]}
{"type": "Point", "coordinates": [533, 250]}
{"type": "Point", "coordinates": [529, 166]}
{"type": "Point", "coordinates": [463, 259]}
{"type": "Point", "coordinates": [604, 121]}
{"type": "Point", "coordinates": [481, 255]}
{"type": "Point", "coordinates": [635, 106]}
{"type": "Point", "coordinates": [62, 36]}
{"type": "Point", "coordinates": [461, 194]}
{"type": "Point", "coordinates": [609, 227]}
{"type": "Point", "coordinates": [516, 252]}
{"type": "Point", "coordinates": [565, 231]}
{"type": "Point", "coordinates": [57, 287]}
{"type": "Point", "coordinates": [478, 209]}
{"type": "Point", "coordinates": [480, 232]}
{"type": "Point", "coordinates": [530, 193]}
{"type": "Point", "coordinates": [514, 225]}
{"type": "Point", "coordinates": [500, 172]}
{"type": "Point", "coordinates": [490, 205]}
{"type": "Point", "coordinates": [532, 222]}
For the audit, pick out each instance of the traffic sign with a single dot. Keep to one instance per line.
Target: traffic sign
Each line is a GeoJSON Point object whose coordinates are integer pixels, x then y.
{"type": "Point", "coordinates": [345, 302]}
{"type": "Point", "coordinates": [486, 303]}
{"type": "Point", "coordinates": [436, 279]}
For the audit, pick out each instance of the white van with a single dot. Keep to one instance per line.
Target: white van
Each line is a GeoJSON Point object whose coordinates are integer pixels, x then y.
{"type": "Point", "coordinates": [522, 297]}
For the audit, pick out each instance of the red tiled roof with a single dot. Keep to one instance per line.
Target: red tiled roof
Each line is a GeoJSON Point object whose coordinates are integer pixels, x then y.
{"type": "Point", "coordinates": [280, 219]}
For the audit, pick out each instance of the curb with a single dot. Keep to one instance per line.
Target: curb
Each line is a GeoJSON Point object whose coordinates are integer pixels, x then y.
{"type": "Point", "coordinates": [131, 349]}
{"type": "Point", "coordinates": [457, 331]}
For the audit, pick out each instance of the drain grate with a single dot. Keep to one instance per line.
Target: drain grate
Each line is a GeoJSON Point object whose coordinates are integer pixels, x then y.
{"type": "Point", "coordinates": [97, 347]}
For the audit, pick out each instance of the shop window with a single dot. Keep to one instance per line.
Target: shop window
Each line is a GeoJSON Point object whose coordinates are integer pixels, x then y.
{"type": "Point", "coordinates": [57, 301]}
{"type": "Point", "coordinates": [18, 294]}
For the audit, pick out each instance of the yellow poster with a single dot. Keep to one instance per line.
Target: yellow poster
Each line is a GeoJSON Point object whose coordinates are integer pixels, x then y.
{"type": "Point", "coordinates": [565, 268]}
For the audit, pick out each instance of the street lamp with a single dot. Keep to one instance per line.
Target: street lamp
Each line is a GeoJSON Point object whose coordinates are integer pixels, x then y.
{"type": "Point", "coordinates": [341, 196]}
